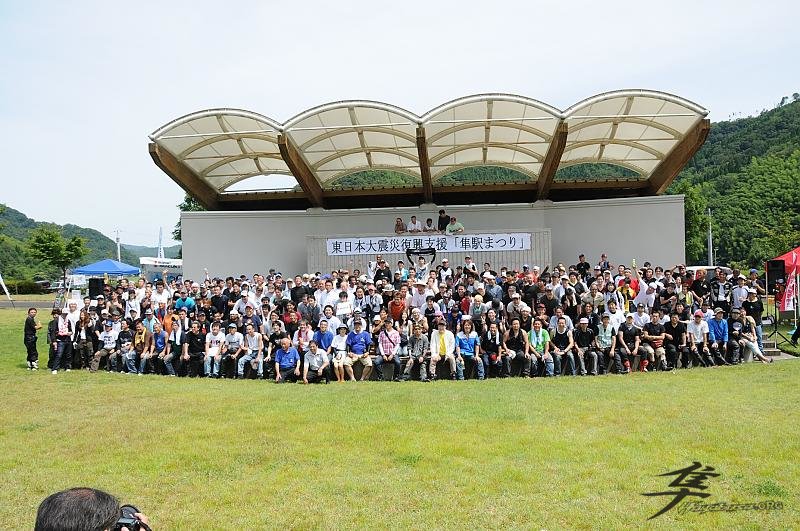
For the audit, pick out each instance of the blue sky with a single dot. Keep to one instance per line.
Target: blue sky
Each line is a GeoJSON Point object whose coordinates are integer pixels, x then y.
{"type": "Point", "coordinates": [84, 83]}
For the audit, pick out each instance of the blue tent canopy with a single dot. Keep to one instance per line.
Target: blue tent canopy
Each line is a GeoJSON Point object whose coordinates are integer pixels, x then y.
{"type": "Point", "coordinates": [106, 267]}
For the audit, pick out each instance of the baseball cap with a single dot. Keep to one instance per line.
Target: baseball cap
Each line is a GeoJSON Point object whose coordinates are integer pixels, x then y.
{"type": "Point", "coordinates": [698, 313]}
{"type": "Point", "coordinates": [231, 325]}
{"type": "Point", "coordinates": [148, 311]}
{"type": "Point", "coordinates": [754, 270]}
{"type": "Point", "coordinates": [109, 323]}
{"type": "Point", "coordinates": [751, 290]}
{"type": "Point", "coordinates": [376, 319]}
{"type": "Point", "coordinates": [718, 310]}
{"type": "Point", "coordinates": [583, 320]}
{"type": "Point", "coordinates": [629, 315]}
{"type": "Point", "coordinates": [525, 266]}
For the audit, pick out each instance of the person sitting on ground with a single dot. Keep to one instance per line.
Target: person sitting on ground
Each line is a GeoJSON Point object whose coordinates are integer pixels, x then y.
{"type": "Point", "coordinates": [653, 334]}
{"type": "Point", "coordinates": [443, 347]}
{"type": "Point", "coordinates": [340, 359]}
{"type": "Point", "coordinates": [629, 341]}
{"type": "Point", "coordinates": [495, 359]}
{"type": "Point", "coordinates": [231, 349]}
{"type": "Point", "coordinates": [287, 362]}
{"type": "Point", "coordinates": [468, 349]}
{"type": "Point", "coordinates": [418, 349]}
{"type": "Point", "coordinates": [388, 341]}
{"type": "Point", "coordinates": [253, 346]}
{"type": "Point", "coordinates": [358, 343]}
{"type": "Point", "coordinates": [697, 330]}
{"type": "Point", "coordinates": [584, 347]}
{"type": "Point", "coordinates": [315, 365]}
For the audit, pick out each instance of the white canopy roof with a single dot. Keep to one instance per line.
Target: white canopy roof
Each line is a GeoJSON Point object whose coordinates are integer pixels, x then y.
{"type": "Point", "coordinates": [633, 129]}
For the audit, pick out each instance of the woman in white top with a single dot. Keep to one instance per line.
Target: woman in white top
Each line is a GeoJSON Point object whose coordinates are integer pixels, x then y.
{"type": "Point", "coordinates": [341, 361]}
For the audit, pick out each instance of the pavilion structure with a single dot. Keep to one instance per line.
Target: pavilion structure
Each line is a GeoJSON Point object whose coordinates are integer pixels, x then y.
{"type": "Point", "coordinates": [650, 135]}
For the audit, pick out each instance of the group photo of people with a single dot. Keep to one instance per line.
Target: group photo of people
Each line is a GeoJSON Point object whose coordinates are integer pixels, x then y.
{"type": "Point", "coordinates": [421, 321]}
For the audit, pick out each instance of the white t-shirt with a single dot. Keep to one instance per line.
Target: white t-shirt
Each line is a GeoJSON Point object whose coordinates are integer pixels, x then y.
{"type": "Point", "coordinates": [214, 342]}
{"type": "Point", "coordinates": [234, 341]}
{"type": "Point", "coordinates": [414, 226]}
{"type": "Point", "coordinates": [697, 330]}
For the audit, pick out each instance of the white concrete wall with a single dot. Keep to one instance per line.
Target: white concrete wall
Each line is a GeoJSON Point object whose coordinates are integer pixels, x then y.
{"type": "Point", "coordinates": [645, 228]}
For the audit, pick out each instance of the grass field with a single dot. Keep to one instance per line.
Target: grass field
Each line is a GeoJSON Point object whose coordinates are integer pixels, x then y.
{"type": "Point", "coordinates": [554, 454]}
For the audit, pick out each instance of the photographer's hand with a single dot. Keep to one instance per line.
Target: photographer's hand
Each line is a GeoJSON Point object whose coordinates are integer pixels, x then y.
{"type": "Point", "coordinates": [143, 519]}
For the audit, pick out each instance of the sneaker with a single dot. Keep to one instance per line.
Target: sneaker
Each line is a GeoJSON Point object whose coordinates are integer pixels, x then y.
{"type": "Point", "coordinates": [35, 365]}
{"type": "Point", "coordinates": [69, 370]}
{"type": "Point", "coordinates": [53, 372]}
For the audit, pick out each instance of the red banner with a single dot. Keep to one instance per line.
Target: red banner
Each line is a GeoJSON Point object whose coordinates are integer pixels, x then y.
{"type": "Point", "coordinates": [787, 303]}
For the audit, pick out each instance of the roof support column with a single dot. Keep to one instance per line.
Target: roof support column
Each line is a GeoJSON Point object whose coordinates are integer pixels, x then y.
{"type": "Point", "coordinates": [305, 177]}
{"type": "Point", "coordinates": [551, 161]}
{"type": "Point", "coordinates": [669, 168]}
{"type": "Point", "coordinates": [424, 165]}
{"type": "Point", "coordinates": [184, 177]}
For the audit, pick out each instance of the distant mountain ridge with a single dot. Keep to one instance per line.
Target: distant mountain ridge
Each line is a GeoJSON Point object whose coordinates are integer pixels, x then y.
{"type": "Point", "coordinates": [16, 263]}
{"type": "Point", "coordinates": [142, 250]}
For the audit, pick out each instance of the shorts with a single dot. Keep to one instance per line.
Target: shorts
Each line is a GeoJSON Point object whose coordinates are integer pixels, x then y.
{"type": "Point", "coordinates": [365, 360]}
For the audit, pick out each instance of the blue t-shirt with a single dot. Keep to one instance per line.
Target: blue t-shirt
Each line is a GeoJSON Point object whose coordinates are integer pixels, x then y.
{"type": "Point", "coordinates": [359, 343]}
{"type": "Point", "coordinates": [323, 340]}
{"type": "Point", "coordinates": [287, 359]}
{"type": "Point", "coordinates": [466, 344]}
{"type": "Point", "coordinates": [160, 340]}
{"type": "Point", "coordinates": [187, 303]}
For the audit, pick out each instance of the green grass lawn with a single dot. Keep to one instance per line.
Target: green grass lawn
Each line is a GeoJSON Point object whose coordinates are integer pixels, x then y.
{"type": "Point", "coordinates": [554, 454]}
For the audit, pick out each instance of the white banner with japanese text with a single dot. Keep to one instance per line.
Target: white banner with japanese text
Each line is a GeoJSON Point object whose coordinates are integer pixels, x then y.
{"type": "Point", "coordinates": [515, 241]}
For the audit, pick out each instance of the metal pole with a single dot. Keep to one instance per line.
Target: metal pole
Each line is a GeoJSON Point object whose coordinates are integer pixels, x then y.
{"type": "Point", "coordinates": [710, 241]}
{"type": "Point", "coordinates": [119, 259]}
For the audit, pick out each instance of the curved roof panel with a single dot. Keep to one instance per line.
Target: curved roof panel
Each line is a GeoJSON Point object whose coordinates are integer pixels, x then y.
{"type": "Point", "coordinates": [635, 129]}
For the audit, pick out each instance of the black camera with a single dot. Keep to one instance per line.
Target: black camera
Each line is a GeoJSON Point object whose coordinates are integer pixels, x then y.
{"type": "Point", "coordinates": [128, 519]}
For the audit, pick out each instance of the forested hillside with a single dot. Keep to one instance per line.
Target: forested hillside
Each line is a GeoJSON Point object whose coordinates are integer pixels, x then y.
{"type": "Point", "coordinates": [16, 262]}
{"type": "Point", "coordinates": [748, 173]}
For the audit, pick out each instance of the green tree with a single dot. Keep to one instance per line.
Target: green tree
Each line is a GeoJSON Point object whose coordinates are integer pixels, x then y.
{"type": "Point", "coordinates": [695, 208]}
{"type": "Point", "coordinates": [46, 244]}
{"type": "Point", "coordinates": [189, 204]}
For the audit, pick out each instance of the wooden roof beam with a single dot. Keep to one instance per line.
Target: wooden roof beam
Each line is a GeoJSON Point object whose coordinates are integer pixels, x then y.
{"type": "Point", "coordinates": [305, 177]}
{"type": "Point", "coordinates": [669, 168]}
{"type": "Point", "coordinates": [184, 177]}
{"type": "Point", "coordinates": [424, 165]}
{"type": "Point", "coordinates": [551, 161]}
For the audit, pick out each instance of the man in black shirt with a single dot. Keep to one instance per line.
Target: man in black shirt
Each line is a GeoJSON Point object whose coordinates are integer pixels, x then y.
{"type": "Point", "coordinates": [584, 346]}
{"type": "Point", "coordinates": [629, 339]}
{"type": "Point", "coordinates": [31, 326]}
{"type": "Point", "coordinates": [653, 335]}
{"type": "Point", "coordinates": [755, 309]}
{"type": "Point", "coordinates": [582, 267]}
{"type": "Point", "coordinates": [675, 342]}
{"type": "Point", "coordinates": [220, 301]}
{"type": "Point", "coordinates": [444, 220]}
{"type": "Point", "coordinates": [193, 350]}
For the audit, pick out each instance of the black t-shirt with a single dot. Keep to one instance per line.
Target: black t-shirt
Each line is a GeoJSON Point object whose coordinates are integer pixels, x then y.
{"type": "Point", "coordinates": [629, 333]}
{"type": "Point", "coordinates": [654, 329]}
{"type": "Point", "coordinates": [583, 268]}
{"type": "Point", "coordinates": [583, 339]}
{"type": "Point", "coordinates": [700, 287]}
{"type": "Point", "coordinates": [444, 221]}
{"type": "Point", "coordinates": [30, 327]}
{"type": "Point", "coordinates": [676, 332]}
{"type": "Point", "coordinates": [754, 309]}
{"type": "Point", "coordinates": [196, 342]}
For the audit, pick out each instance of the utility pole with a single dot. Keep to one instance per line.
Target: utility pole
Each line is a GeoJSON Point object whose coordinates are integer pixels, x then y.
{"type": "Point", "coordinates": [119, 259]}
{"type": "Point", "coordinates": [710, 241]}
{"type": "Point", "coordinates": [160, 243]}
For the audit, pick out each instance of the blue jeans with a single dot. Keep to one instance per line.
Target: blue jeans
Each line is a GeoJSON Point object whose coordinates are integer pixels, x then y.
{"type": "Point", "coordinates": [460, 366]}
{"type": "Point", "coordinates": [130, 360]}
{"type": "Point", "coordinates": [250, 356]}
{"type": "Point", "coordinates": [63, 350]}
{"type": "Point", "coordinates": [212, 366]}
{"type": "Point", "coordinates": [549, 366]}
{"type": "Point", "coordinates": [759, 333]}
{"type": "Point", "coordinates": [379, 361]}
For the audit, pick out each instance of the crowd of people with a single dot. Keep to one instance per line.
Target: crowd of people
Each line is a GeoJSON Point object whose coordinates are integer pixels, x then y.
{"type": "Point", "coordinates": [428, 321]}
{"type": "Point", "coordinates": [445, 224]}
